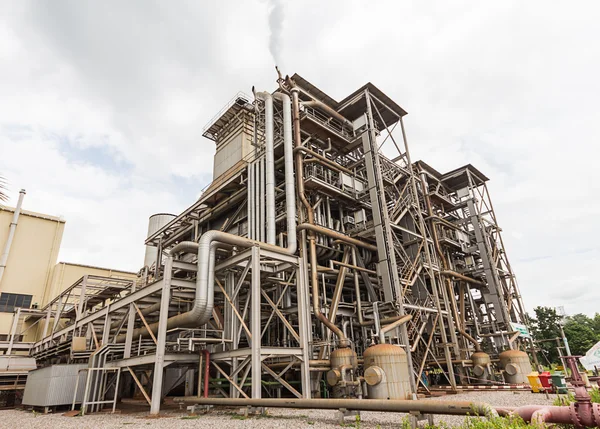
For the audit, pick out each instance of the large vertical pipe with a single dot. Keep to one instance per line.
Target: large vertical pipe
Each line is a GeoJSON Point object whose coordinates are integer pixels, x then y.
{"type": "Point", "coordinates": [270, 165]}
{"type": "Point", "coordinates": [251, 201]}
{"type": "Point", "coordinates": [255, 322]}
{"type": "Point", "coordinates": [11, 234]}
{"type": "Point", "coordinates": [288, 154]}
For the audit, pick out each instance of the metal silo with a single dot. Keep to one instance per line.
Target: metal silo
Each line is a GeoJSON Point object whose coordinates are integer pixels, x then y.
{"type": "Point", "coordinates": [156, 222]}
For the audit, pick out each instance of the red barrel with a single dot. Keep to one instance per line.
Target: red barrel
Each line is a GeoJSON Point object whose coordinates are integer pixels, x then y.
{"type": "Point", "coordinates": [546, 380]}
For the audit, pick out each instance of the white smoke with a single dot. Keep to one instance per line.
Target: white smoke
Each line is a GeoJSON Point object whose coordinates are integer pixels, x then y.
{"type": "Point", "coordinates": [276, 30]}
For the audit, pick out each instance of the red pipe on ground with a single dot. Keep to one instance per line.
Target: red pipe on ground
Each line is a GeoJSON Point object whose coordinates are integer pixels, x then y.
{"type": "Point", "coordinates": [206, 354]}
{"type": "Point", "coordinates": [581, 413]}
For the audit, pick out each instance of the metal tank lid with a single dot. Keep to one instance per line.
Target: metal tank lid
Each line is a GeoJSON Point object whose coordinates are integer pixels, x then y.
{"type": "Point", "coordinates": [388, 349]}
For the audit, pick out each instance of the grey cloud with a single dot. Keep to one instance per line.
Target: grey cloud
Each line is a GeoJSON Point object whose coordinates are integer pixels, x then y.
{"type": "Point", "coordinates": [510, 87]}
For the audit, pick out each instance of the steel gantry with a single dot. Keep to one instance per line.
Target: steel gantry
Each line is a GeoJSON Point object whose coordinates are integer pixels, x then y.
{"type": "Point", "coordinates": [309, 247]}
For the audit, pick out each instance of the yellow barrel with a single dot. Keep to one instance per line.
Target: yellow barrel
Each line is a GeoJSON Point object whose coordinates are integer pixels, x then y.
{"type": "Point", "coordinates": [534, 381]}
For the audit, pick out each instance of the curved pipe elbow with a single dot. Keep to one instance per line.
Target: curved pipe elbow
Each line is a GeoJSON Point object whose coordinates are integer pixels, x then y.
{"type": "Point", "coordinates": [184, 246]}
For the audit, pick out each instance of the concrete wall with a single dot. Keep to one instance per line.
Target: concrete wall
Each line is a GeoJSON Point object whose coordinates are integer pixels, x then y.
{"type": "Point", "coordinates": [32, 256]}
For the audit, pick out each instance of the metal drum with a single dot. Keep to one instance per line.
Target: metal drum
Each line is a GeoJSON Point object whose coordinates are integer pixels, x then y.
{"type": "Point", "coordinates": [481, 366]}
{"type": "Point", "coordinates": [341, 377]}
{"type": "Point", "coordinates": [156, 222]}
{"type": "Point", "coordinates": [386, 372]}
{"type": "Point", "coordinates": [515, 366]}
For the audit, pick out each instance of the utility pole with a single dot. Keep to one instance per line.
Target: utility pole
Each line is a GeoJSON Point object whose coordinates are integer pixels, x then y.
{"type": "Point", "coordinates": [561, 312]}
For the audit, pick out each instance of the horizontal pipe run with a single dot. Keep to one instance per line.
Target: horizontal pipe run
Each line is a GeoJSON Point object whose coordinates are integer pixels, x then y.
{"type": "Point", "coordinates": [457, 408]}
{"type": "Point", "coordinates": [449, 273]}
{"type": "Point", "coordinates": [327, 109]}
{"type": "Point", "coordinates": [326, 160]}
{"type": "Point", "coordinates": [336, 235]}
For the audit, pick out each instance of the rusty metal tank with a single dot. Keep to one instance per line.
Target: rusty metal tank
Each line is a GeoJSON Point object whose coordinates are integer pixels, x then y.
{"type": "Point", "coordinates": [481, 366]}
{"type": "Point", "coordinates": [386, 372]}
{"type": "Point", "coordinates": [515, 366]}
{"type": "Point", "coordinates": [341, 377]}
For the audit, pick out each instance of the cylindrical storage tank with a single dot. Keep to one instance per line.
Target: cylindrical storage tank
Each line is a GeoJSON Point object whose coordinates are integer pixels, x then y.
{"type": "Point", "coordinates": [516, 366]}
{"type": "Point", "coordinates": [481, 362]}
{"type": "Point", "coordinates": [386, 372]}
{"type": "Point", "coordinates": [342, 360]}
{"type": "Point", "coordinates": [156, 222]}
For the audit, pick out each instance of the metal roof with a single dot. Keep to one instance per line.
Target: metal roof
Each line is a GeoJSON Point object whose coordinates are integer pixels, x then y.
{"type": "Point", "coordinates": [458, 178]}
{"type": "Point", "coordinates": [354, 105]}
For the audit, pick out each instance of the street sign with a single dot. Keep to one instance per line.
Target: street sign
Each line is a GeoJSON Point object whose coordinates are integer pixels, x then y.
{"type": "Point", "coordinates": [522, 329]}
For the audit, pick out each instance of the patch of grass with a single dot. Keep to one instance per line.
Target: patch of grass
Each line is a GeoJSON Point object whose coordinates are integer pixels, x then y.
{"type": "Point", "coordinates": [475, 422]}
{"type": "Point", "coordinates": [569, 397]}
{"type": "Point", "coordinates": [513, 422]}
{"type": "Point", "coordinates": [238, 417]}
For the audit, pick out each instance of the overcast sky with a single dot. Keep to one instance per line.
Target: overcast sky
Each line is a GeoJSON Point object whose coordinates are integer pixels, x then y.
{"type": "Point", "coordinates": [102, 106]}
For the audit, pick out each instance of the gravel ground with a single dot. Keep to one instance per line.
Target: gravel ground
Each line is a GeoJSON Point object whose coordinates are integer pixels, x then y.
{"type": "Point", "coordinates": [276, 418]}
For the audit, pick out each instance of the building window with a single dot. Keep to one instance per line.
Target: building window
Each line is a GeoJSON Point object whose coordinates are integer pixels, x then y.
{"type": "Point", "coordinates": [10, 301]}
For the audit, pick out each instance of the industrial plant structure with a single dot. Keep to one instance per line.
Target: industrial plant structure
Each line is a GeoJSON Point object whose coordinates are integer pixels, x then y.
{"type": "Point", "coordinates": [312, 266]}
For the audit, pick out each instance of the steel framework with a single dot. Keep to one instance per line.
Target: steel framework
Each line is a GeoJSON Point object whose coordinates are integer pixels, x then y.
{"type": "Point", "coordinates": [372, 243]}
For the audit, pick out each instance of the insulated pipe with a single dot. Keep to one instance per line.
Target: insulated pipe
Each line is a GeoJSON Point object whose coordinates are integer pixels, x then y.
{"type": "Point", "coordinates": [457, 408]}
{"type": "Point", "coordinates": [450, 273]}
{"type": "Point", "coordinates": [288, 154]}
{"type": "Point", "coordinates": [325, 160]}
{"type": "Point", "coordinates": [251, 205]}
{"type": "Point", "coordinates": [11, 234]}
{"type": "Point", "coordinates": [329, 110]}
{"type": "Point", "coordinates": [311, 220]}
{"type": "Point", "coordinates": [336, 235]}
{"type": "Point", "coordinates": [211, 240]}
{"type": "Point", "coordinates": [394, 325]}
{"type": "Point", "coordinates": [270, 165]}
{"type": "Point", "coordinates": [377, 322]}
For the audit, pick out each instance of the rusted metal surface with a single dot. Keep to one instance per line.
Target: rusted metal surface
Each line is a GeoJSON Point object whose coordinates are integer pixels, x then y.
{"type": "Point", "coordinates": [386, 372]}
{"type": "Point", "coordinates": [515, 365]}
{"type": "Point", "coordinates": [459, 408]}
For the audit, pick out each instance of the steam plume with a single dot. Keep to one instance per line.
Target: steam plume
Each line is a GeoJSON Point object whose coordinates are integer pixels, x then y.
{"type": "Point", "coordinates": [276, 29]}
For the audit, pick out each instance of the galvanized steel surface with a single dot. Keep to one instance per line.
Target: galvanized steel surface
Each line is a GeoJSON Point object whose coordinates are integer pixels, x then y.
{"type": "Point", "coordinates": [156, 222]}
{"type": "Point", "coordinates": [54, 385]}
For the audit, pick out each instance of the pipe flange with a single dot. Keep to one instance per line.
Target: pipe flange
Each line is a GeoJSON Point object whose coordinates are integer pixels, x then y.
{"type": "Point", "coordinates": [596, 413]}
{"type": "Point", "coordinates": [574, 416]}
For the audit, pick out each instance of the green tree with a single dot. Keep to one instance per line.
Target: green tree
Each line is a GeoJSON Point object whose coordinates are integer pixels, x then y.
{"type": "Point", "coordinates": [579, 330]}
{"type": "Point", "coordinates": [596, 324]}
{"type": "Point", "coordinates": [545, 330]}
